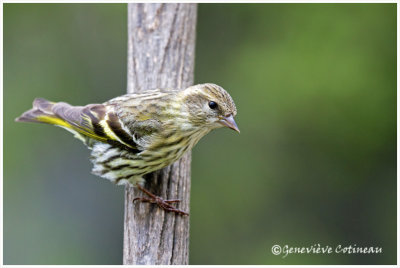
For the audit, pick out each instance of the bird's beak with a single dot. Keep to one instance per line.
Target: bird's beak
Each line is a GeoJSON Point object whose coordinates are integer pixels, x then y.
{"type": "Point", "coordinates": [228, 121]}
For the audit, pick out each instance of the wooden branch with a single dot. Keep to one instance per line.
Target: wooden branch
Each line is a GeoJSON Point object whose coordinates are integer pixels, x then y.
{"type": "Point", "coordinates": [161, 42]}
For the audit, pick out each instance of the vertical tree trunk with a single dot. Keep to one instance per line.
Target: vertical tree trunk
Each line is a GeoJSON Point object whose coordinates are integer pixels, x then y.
{"type": "Point", "coordinates": [161, 41]}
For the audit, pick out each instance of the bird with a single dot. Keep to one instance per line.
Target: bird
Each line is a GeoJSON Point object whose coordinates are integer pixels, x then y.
{"type": "Point", "coordinates": [138, 133]}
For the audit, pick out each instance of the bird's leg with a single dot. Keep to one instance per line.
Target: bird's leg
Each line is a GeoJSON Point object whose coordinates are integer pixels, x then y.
{"type": "Point", "coordinates": [154, 199]}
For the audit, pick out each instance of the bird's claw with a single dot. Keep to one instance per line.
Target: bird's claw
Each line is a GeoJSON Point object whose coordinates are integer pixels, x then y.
{"type": "Point", "coordinates": [164, 204]}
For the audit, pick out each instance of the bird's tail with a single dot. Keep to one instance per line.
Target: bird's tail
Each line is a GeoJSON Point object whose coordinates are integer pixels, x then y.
{"type": "Point", "coordinates": [85, 122]}
{"type": "Point", "coordinates": [42, 112]}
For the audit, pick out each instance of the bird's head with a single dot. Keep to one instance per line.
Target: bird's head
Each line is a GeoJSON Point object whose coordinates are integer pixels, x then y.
{"type": "Point", "coordinates": [209, 105]}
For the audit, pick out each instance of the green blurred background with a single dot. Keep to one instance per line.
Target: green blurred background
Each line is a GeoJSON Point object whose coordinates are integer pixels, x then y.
{"type": "Point", "coordinates": [315, 87]}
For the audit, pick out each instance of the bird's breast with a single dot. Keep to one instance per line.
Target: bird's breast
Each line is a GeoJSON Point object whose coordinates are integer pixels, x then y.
{"type": "Point", "coordinates": [121, 166]}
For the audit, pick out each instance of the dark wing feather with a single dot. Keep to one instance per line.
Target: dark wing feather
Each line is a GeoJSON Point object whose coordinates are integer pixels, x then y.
{"type": "Point", "coordinates": [82, 118]}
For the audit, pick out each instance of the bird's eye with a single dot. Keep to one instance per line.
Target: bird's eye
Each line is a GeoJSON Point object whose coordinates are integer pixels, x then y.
{"type": "Point", "coordinates": [213, 105]}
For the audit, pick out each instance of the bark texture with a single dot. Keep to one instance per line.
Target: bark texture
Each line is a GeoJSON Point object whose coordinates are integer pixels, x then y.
{"type": "Point", "coordinates": [161, 43]}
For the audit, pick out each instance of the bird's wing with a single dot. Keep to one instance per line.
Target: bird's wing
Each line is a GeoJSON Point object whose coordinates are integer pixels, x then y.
{"type": "Point", "coordinates": [99, 122]}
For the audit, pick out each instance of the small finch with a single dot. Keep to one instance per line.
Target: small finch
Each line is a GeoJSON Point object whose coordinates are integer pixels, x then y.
{"type": "Point", "coordinates": [135, 134]}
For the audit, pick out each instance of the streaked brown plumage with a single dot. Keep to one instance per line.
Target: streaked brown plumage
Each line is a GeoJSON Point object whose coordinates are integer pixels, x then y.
{"type": "Point", "coordinates": [135, 134]}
